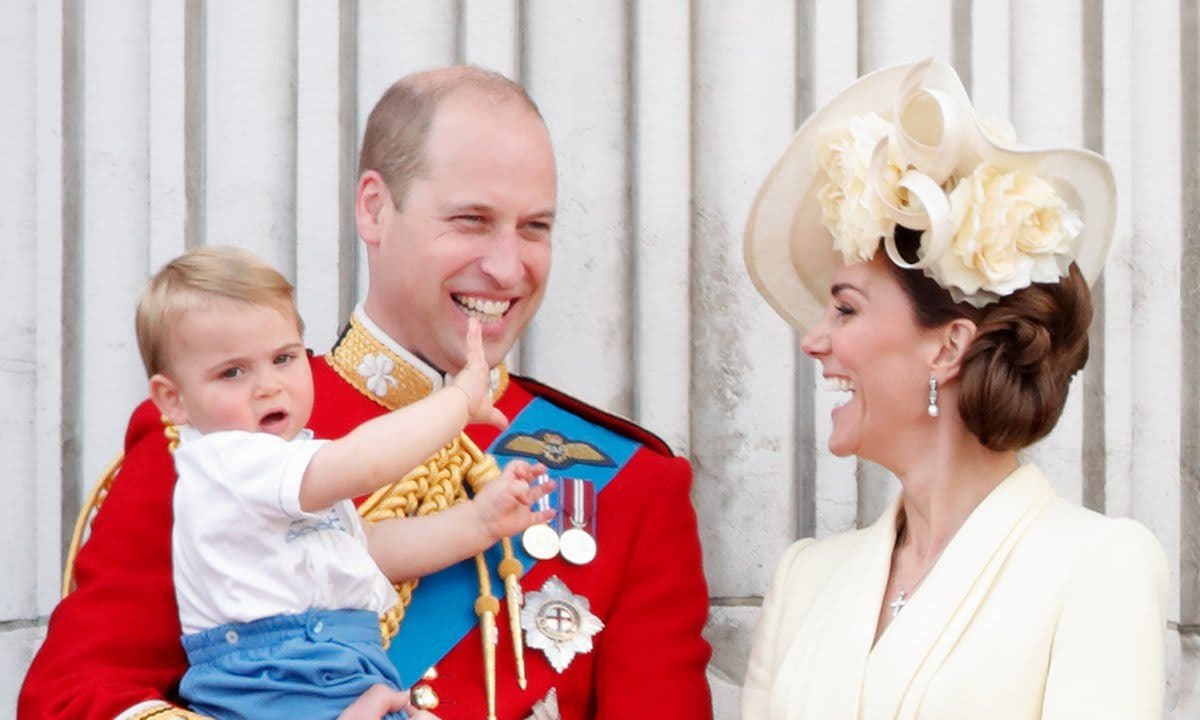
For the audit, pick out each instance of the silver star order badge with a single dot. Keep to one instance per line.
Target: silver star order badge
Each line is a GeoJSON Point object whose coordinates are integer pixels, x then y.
{"type": "Point", "coordinates": [559, 623]}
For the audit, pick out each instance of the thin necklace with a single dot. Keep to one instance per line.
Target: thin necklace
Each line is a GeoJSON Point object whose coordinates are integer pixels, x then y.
{"type": "Point", "coordinates": [905, 594]}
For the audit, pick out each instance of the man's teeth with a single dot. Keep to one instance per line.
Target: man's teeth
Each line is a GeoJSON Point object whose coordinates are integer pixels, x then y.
{"type": "Point", "coordinates": [841, 385]}
{"type": "Point", "coordinates": [483, 309]}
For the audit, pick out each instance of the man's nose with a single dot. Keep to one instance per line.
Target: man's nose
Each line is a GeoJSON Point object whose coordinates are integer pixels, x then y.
{"type": "Point", "coordinates": [502, 259]}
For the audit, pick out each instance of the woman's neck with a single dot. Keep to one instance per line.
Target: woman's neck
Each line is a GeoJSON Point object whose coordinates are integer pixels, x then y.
{"type": "Point", "coordinates": [941, 489]}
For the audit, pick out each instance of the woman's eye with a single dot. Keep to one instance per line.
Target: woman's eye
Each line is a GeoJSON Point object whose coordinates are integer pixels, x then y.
{"type": "Point", "coordinates": [844, 310]}
{"type": "Point", "coordinates": [230, 373]}
{"type": "Point", "coordinates": [284, 358]}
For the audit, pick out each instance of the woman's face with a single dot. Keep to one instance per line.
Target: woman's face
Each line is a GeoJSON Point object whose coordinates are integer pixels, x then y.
{"type": "Point", "coordinates": [873, 352]}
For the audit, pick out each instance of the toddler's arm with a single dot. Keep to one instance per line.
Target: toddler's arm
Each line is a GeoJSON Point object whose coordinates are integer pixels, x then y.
{"type": "Point", "coordinates": [411, 547]}
{"type": "Point", "coordinates": [381, 450]}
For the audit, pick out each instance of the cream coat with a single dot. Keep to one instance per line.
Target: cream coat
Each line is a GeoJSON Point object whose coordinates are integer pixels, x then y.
{"type": "Point", "coordinates": [1036, 609]}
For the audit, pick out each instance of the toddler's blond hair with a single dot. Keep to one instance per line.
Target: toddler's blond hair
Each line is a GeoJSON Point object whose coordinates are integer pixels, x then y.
{"type": "Point", "coordinates": [195, 279]}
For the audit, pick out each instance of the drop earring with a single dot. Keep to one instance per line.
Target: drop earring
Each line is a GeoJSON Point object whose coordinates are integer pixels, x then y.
{"type": "Point", "coordinates": [933, 407]}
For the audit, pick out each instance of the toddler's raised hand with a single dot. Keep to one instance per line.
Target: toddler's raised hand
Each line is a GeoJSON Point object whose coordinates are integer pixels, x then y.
{"type": "Point", "coordinates": [505, 504]}
{"type": "Point", "coordinates": [473, 380]}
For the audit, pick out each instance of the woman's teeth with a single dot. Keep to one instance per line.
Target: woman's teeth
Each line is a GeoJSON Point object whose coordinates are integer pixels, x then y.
{"type": "Point", "coordinates": [486, 311]}
{"type": "Point", "coordinates": [840, 385]}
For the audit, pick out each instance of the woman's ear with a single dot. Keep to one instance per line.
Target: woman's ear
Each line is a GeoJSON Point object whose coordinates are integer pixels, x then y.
{"type": "Point", "coordinates": [956, 338]}
{"type": "Point", "coordinates": [167, 398]}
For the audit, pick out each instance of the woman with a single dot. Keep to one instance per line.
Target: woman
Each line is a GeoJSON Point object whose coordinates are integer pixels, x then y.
{"type": "Point", "coordinates": [941, 277]}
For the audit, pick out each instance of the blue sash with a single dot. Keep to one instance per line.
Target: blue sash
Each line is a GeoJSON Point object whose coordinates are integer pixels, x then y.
{"type": "Point", "coordinates": [442, 611]}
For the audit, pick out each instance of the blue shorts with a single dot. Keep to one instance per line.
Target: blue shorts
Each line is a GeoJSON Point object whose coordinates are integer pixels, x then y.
{"type": "Point", "coordinates": [310, 665]}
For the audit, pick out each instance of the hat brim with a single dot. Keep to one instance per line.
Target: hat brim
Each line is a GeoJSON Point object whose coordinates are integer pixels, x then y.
{"type": "Point", "coordinates": [789, 254]}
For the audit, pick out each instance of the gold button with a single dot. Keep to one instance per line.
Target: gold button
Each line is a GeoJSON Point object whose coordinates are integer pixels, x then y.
{"type": "Point", "coordinates": [423, 697]}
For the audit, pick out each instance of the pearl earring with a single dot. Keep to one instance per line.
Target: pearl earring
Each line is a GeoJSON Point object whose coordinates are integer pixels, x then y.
{"type": "Point", "coordinates": [933, 408]}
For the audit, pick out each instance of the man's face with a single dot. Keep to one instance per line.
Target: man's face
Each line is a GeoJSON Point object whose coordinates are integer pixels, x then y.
{"type": "Point", "coordinates": [472, 236]}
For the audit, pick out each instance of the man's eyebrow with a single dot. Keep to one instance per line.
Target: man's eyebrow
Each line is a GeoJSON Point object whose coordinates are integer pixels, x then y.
{"type": "Point", "coordinates": [469, 207]}
{"type": "Point", "coordinates": [478, 208]}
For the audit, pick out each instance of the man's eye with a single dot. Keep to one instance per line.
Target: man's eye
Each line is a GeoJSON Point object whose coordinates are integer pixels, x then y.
{"type": "Point", "coordinates": [230, 373]}
{"type": "Point", "coordinates": [471, 219]}
{"type": "Point", "coordinates": [284, 358]}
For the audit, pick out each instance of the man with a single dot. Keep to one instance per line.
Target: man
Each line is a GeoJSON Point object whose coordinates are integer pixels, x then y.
{"type": "Point", "coordinates": [455, 204]}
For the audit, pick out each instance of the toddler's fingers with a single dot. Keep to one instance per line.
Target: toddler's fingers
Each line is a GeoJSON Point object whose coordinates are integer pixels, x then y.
{"type": "Point", "coordinates": [517, 468]}
{"type": "Point", "coordinates": [475, 352]}
{"type": "Point", "coordinates": [533, 493]}
{"type": "Point", "coordinates": [496, 419]}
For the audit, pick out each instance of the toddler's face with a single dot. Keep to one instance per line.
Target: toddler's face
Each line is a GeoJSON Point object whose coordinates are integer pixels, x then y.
{"type": "Point", "coordinates": [237, 366]}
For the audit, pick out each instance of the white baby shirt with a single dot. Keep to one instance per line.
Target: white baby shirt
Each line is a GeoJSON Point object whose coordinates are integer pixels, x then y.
{"type": "Point", "coordinates": [243, 549]}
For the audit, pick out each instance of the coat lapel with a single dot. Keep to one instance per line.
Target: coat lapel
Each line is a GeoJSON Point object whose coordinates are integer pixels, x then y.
{"type": "Point", "coordinates": [824, 666]}
{"type": "Point", "coordinates": [916, 644]}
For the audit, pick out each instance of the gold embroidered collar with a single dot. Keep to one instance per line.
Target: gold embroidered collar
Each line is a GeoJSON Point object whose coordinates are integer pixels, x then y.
{"type": "Point", "coordinates": [375, 370]}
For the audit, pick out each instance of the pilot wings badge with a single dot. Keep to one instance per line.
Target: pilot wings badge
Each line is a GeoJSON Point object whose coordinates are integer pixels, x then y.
{"type": "Point", "coordinates": [555, 450]}
{"type": "Point", "coordinates": [559, 623]}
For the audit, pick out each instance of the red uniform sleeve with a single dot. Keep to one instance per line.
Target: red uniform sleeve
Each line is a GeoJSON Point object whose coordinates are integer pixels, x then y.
{"type": "Point", "coordinates": [651, 658]}
{"type": "Point", "coordinates": [114, 641]}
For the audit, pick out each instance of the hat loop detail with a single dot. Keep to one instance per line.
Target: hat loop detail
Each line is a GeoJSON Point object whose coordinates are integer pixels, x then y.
{"type": "Point", "coordinates": [919, 114]}
{"type": "Point", "coordinates": [936, 239]}
{"type": "Point", "coordinates": [924, 142]}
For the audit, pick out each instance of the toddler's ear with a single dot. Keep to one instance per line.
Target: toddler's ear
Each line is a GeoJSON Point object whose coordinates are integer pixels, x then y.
{"type": "Point", "coordinates": [166, 396]}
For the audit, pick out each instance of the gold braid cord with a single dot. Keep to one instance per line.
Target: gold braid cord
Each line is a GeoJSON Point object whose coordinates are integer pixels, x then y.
{"type": "Point", "coordinates": [432, 487]}
{"type": "Point", "coordinates": [168, 712]}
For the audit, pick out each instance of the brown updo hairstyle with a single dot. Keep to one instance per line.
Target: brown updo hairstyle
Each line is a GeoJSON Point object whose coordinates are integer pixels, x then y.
{"type": "Point", "coordinates": [1015, 374]}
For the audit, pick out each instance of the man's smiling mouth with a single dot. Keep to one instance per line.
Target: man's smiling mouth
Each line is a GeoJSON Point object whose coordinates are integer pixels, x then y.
{"type": "Point", "coordinates": [483, 309]}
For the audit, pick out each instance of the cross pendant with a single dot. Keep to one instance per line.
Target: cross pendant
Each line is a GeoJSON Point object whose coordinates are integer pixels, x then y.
{"type": "Point", "coordinates": [898, 604]}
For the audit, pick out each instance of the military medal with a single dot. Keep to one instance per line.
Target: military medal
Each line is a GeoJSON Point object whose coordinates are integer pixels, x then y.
{"type": "Point", "coordinates": [541, 541]}
{"type": "Point", "coordinates": [578, 541]}
{"type": "Point", "coordinates": [559, 623]}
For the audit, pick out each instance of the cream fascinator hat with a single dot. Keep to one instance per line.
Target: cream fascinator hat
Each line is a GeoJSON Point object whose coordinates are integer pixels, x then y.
{"type": "Point", "coordinates": [902, 146]}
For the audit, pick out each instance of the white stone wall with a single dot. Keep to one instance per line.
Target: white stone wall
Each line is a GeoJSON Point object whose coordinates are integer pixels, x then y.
{"type": "Point", "coordinates": [131, 130]}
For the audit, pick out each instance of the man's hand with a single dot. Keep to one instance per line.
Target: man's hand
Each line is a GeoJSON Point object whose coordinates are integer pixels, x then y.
{"type": "Point", "coordinates": [473, 380]}
{"type": "Point", "coordinates": [380, 700]}
{"type": "Point", "coordinates": [505, 504]}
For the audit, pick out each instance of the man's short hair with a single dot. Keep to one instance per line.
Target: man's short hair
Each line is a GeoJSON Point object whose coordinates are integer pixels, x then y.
{"type": "Point", "coordinates": [394, 142]}
{"type": "Point", "coordinates": [194, 280]}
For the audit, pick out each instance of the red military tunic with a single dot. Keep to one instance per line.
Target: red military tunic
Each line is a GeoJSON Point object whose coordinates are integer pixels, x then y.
{"type": "Point", "coordinates": [114, 642]}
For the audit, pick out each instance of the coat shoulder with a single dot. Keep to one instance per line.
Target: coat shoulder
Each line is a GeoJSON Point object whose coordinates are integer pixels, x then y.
{"type": "Point", "coordinates": [608, 420]}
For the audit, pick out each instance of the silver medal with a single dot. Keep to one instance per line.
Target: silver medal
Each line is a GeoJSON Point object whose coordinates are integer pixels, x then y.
{"type": "Point", "coordinates": [541, 541]}
{"type": "Point", "coordinates": [578, 541]}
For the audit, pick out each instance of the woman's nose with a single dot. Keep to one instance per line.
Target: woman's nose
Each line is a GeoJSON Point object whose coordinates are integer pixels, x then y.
{"type": "Point", "coordinates": [815, 342]}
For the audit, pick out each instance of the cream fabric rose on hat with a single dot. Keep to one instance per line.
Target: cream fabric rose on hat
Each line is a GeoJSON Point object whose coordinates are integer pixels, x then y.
{"type": "Point", "coordinates": [1011, 229]}
{"type": "Point", "coordinates": [850, 209]}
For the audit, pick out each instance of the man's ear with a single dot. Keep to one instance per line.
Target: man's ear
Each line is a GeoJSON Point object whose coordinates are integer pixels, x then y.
{"type": "Point", "coordinates": [166, 396]}
{"type": "Point", "coordinates": [372, 198]}
{"type": "Point", "coordinates": [956, 338]}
